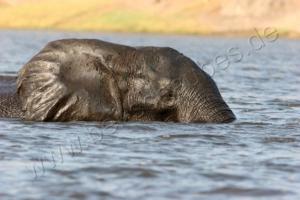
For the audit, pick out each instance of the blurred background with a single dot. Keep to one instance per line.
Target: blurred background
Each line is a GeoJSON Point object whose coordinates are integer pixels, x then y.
{"type": "Point", "coordinates": [206, 17]}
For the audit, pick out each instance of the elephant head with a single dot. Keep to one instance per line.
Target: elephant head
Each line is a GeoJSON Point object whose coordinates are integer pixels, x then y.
{"type": "Point", "coordinates": [176, 89]}
{"type": "Point", "coordinates": [93, 80]}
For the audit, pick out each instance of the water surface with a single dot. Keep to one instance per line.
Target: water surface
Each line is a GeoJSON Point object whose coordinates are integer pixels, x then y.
{"type": "Point", "coordinates": [256, 157]}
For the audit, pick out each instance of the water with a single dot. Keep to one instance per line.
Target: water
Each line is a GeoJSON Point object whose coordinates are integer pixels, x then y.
{"type": "Point", "coordinates": [256, 157]}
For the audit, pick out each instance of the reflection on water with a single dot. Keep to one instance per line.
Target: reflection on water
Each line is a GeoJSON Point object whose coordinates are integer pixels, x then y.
{"type": "Point", "coordinates": [255, 157]}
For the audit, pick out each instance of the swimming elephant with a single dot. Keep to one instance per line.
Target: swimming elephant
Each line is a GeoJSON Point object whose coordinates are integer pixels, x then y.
{"type": "Point", "coordinates": [93, 80]}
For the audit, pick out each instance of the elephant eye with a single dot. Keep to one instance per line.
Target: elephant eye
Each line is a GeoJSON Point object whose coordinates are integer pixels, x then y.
{"type": "Point", "coordinates": [167, 96]}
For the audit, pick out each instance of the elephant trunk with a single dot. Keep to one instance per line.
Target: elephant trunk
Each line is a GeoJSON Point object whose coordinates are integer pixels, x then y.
{"type": "Point", "coordinates": [205, 106]}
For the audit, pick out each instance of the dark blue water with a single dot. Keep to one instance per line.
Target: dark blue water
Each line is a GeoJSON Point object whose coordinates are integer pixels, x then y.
{"type": "Point", "coordinates": [256, 157]}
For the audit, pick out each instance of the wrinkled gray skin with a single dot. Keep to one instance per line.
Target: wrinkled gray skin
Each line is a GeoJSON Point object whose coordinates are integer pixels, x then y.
{"type": "Point", "coordinates": [93, 80]}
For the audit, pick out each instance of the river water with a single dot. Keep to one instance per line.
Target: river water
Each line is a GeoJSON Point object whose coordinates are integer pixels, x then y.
{"type": "Point", "coordinates": [256, 157]}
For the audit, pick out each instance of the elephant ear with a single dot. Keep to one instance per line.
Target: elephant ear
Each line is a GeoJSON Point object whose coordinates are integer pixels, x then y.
{"type": "Point", "coordinates": [56, 86]}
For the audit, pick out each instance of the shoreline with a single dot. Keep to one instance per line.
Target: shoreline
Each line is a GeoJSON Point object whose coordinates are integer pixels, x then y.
{"type": "Point", "coordinates": [228, 34]}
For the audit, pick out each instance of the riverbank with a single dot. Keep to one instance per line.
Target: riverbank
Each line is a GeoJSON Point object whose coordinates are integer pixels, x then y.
{"type": "Point", "coordinates": [153, 16]}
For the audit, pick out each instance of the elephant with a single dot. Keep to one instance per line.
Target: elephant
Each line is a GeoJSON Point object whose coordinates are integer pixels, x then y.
{"type": "Point", "coordinates": [94, 80]}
